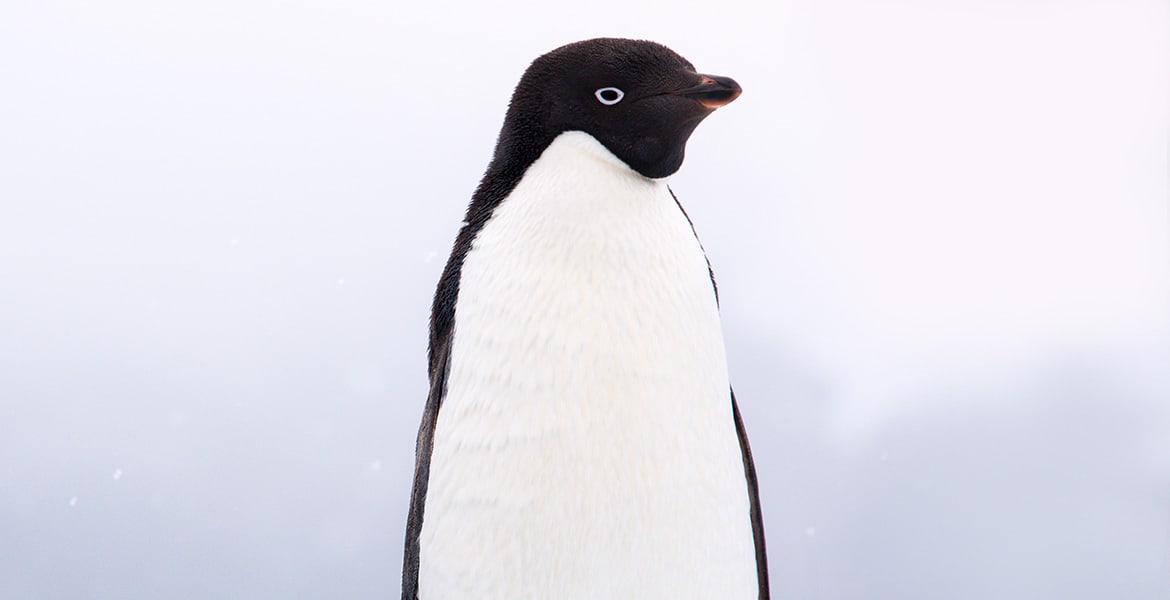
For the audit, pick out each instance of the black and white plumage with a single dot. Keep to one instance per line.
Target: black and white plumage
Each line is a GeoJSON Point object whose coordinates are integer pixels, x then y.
{"type": "Point", "coordinates": [580, 438]}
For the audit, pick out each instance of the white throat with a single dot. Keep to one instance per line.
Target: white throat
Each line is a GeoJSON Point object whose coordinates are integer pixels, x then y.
{"type": "Point", "coordinates": [586, 447]}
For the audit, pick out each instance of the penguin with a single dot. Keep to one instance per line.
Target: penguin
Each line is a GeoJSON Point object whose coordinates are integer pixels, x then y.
{"type": "Point", "coordinates": [581, 439]}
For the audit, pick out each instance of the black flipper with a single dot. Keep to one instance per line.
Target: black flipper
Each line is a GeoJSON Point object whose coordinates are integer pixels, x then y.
{"type": "Point", "coordinates": [749, 465]}
{"type": "Point", "coordinates": [517, 148]}
{"type": "Point", "coordinates": [749, 471]}
{"type": "Point", "coordinates": [422, 470]}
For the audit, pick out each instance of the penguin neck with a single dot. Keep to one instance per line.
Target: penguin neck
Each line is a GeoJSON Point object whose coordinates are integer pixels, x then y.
{"type": "Point", "coordinates": [584, 185]}
{"type": "Point", "coordinates": [585, 154]}
{"type": "Point", "coordinates": [576, 150]}
{"type": "Point", "coordinates": [512, 158]}
{"type": "Point", "coordinates": [578, 145]}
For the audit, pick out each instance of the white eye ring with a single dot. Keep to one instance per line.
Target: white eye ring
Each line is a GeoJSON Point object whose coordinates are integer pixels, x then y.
{"type": "Point", "coordinates": [606, 95]}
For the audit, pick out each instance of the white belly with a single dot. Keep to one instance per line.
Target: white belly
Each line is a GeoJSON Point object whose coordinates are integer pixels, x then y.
{"type": "Point", "coordinates": [586, 447]}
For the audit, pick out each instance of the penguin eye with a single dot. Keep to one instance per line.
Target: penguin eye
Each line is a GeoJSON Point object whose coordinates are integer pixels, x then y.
{"type": "Point", "coordinates": [609, 95]}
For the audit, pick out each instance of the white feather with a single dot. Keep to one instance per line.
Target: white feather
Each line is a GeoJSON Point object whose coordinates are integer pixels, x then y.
{"type": "Point", "coordinates": [586, 447]}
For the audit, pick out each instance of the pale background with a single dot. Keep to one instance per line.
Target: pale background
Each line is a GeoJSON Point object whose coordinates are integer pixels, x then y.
{"type": "Point", "coordinates": [940, 230]}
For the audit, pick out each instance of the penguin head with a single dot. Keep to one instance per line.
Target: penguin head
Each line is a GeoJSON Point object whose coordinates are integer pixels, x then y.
{"type": "Point", "coordinates": [639, 99]}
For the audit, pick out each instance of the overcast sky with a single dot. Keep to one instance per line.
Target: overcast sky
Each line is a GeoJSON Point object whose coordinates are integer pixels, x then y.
{"type": "Point", "coordinates": [941, 231]}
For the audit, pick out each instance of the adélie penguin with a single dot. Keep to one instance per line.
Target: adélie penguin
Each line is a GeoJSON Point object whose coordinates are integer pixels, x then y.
{"type": "Point", "coordinates": [580, 439]}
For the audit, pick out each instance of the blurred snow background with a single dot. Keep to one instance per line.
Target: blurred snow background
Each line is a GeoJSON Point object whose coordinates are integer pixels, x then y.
{"type": "Point", "coordinates": [941, 231]}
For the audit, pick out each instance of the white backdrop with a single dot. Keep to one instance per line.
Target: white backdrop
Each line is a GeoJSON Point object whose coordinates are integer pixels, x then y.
{"type": "Point", "coordinates": [941, 231]}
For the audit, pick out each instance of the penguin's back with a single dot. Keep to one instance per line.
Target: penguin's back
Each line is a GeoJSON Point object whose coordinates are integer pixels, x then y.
{"type": "Point", "coordinates": [586, 446]}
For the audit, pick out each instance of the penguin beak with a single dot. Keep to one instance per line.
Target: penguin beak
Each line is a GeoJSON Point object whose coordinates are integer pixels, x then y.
{"type": "Point", "coordinates": [712, 91]}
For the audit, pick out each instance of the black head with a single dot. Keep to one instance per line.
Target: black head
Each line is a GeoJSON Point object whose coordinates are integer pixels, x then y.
{"type": "Point", "coordinates": [638, 98]}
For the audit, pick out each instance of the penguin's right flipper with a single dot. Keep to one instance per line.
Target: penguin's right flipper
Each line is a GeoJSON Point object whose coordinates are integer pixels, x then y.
{"type": "Point", "coordinates": [422, 470]}
{"type": "Point", "coordinates": [749, 471]}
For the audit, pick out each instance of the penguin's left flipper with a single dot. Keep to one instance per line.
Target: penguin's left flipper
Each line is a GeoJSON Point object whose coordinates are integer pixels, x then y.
{"type": "Point", "coordinates": [749, 465]}
{"type": "Point", "coordinates": [749, 471]}
{"type": "Point", "coordinates": [422, 470]}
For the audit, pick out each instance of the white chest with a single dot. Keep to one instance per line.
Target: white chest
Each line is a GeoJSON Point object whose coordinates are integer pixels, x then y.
{"type": "Point", "coordinates": [586, 448]}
